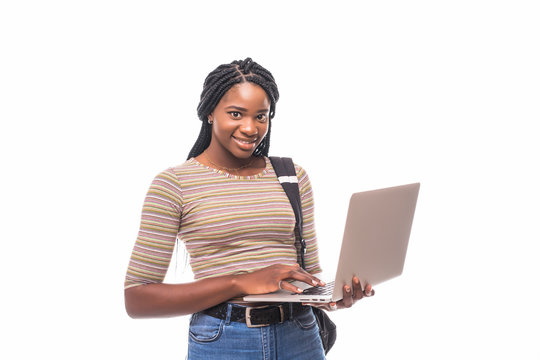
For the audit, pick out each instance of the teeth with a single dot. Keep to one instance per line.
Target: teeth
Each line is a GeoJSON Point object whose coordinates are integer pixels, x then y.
{"type": "Point", "coordinates": [245, 141]}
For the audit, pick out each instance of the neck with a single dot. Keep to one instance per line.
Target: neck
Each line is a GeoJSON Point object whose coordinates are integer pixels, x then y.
{"type": "Point", "coordinates": [230, 168]}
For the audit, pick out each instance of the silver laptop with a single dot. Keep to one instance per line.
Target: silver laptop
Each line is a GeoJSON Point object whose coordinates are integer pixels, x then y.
{"type": "Point", "coordinates": [374, 244]}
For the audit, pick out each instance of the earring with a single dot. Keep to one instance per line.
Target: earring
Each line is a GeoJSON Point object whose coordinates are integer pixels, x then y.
{"type": "Point", "coordinates": [210, 121]}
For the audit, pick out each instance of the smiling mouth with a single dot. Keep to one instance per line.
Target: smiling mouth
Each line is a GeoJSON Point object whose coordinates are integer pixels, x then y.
{"type": "Point", "coordinates": [244, 141]}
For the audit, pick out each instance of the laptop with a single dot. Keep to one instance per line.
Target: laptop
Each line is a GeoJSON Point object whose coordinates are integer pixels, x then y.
{"type": "Point", "coordinates": [373, 248]}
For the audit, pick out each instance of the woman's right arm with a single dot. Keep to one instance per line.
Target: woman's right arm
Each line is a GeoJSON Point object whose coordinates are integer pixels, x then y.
{"type": "Point", "coordinates": [165, 300]}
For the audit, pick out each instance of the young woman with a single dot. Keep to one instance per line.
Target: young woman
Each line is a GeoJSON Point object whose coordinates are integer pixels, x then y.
{"type": "Point", "coordinates": [228, 207]}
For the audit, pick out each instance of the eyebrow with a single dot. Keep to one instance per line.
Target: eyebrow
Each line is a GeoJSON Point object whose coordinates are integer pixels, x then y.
{"type": "Point", "coordinates": [244, 109]}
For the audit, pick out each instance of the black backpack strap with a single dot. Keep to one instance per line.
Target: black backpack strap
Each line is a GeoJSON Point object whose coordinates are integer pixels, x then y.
{"type": "Point", "coordinates": [286, 174]}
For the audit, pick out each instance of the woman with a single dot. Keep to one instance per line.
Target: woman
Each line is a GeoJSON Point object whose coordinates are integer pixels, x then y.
{"type": "Point", "coordinates": [228, 207]}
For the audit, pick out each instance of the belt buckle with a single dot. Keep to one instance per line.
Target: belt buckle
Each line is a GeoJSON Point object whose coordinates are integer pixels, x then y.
{"type": "Point", "coordinates": [248, 315]}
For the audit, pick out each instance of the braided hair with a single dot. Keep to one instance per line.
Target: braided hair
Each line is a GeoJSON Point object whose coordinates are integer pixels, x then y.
{"type": "Point", "coordinates": [218, 82]}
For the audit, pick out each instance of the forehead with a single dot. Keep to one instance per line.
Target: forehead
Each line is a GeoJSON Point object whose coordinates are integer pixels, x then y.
{"type": "Point", "coordinates": [246, 93]}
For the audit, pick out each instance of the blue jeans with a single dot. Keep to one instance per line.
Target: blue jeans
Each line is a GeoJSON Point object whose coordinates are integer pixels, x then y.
{"type": "Point", "coordinates": [212, 338]}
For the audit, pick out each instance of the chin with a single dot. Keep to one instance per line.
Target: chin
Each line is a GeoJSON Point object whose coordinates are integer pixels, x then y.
{"type": "Point", "coordinates": [243, 155]}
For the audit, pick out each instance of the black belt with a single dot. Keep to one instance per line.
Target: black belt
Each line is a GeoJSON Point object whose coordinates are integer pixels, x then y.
{"type": "Point", "coordinates": [257, 316]}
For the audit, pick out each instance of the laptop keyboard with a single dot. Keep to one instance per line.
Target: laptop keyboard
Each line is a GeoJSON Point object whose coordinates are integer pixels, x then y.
{"type": "Point", "coordinates": [320, 290]}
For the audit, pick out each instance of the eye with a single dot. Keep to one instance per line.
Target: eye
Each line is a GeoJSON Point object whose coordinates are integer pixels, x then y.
{"type": "Point", "coordinates": [261, 117]}
{"type": "Point", "coordinates": [235, 114]}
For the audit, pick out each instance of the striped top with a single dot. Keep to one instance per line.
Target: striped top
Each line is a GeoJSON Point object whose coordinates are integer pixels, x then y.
{"type": "Point", "coordinates": [230, 224]}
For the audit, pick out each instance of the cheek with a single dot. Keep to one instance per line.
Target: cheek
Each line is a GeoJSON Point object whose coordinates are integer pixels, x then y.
{"type": "Point", "coordinates": [263, 130]}
{"type": "Point", "coordinates": [218, 129]}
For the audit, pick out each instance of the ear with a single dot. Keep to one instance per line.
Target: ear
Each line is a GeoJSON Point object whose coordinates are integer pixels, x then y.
{"type": "Point", "coordinates": [210, 118]}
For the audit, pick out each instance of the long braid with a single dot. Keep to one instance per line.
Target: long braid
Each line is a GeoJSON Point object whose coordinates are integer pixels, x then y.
{"type": "Point", "coordinates": [205, 135]}
{"type": "Point", "coordinates": [218, 82]}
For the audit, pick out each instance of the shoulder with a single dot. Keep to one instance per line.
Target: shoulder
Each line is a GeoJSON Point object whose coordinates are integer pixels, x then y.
{"type": "Point", "coordinates": [300, 171]}
{"type": "Point", "coordinates": [178, 172]}
{"type": "Point", "coordinates": [170, 179]}
{"type": "Point", "coordinates": [186, 167]}
{"type": "Point", "coordinates": [301, 174]}
{"type": "Point", "coordinates": [303, 180]}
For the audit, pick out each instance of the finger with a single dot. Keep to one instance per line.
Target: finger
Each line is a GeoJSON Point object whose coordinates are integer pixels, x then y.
{"type": "Point", "coordinates": [287, 286]}
{"type": "Point", "coordinates": [319, 281]}
{"type": "Point", "coordinates": [347, 296]}
{"type": "Point", "coordinates": [302, 275]}
{"type": "Point", "coordinates": [368, 291]}
{"type": "Point", "coordinates": [313, 280]}
{"type": "Point", "coordinates": [338, 305]}
{"type": "Point", "coordinates": [357, 289]}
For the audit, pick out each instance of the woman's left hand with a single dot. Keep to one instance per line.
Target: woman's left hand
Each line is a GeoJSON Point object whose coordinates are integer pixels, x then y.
{"type": "Point", "coordinates": [350, 296]}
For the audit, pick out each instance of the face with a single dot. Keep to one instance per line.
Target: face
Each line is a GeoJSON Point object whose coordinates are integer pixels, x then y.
{"type": "Point", "coordinates": [240, 122]}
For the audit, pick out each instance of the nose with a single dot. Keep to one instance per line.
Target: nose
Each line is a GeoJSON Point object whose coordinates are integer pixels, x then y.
{"type": "Point", "coordinates": [249, 127]}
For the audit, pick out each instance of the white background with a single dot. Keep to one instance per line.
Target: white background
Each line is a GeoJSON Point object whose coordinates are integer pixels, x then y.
{"type": "Point", "coordinates": [96, 97]}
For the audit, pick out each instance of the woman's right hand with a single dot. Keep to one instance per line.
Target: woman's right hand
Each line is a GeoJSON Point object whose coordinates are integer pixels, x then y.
{"type": "Point", "coordinates": [275, 277]}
